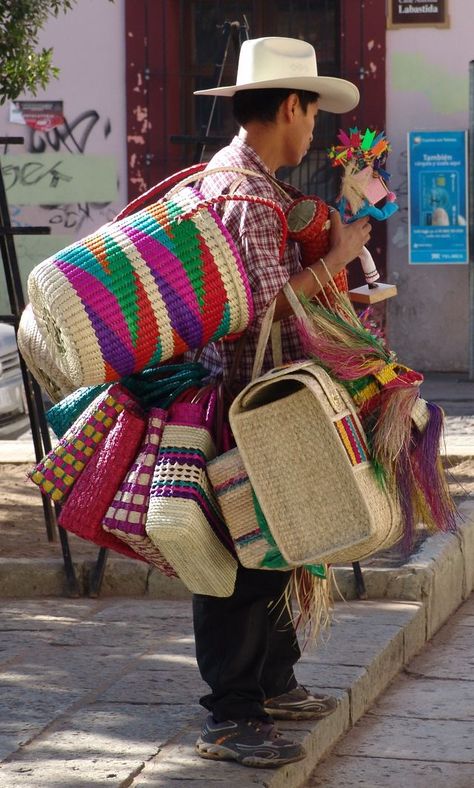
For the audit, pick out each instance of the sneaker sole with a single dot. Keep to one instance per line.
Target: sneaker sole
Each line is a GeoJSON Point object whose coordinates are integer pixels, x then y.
{"type": "Point", "coordinates": [286, 714]}
{"type": "Point", "coordinates": [216, 752]}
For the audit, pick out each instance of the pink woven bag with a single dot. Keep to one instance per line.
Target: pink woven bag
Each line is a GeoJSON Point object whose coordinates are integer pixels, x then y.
{"type": "Point", "coordinates": [84, 510]}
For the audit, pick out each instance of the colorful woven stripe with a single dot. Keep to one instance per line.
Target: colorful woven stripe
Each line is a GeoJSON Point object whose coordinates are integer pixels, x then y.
{"type": "Point", "coordinates": [352, 440]}
{"type": "Point", "coordinates": [187, 480]}
{"type": "Point", "coordinates": [236, 485]}
{"type": "Point", "coordinates": [141, 291]}
{"type": "Point", "coordinates": [183, 517]}
{"type": "Point", "coordinates": [56, 474]}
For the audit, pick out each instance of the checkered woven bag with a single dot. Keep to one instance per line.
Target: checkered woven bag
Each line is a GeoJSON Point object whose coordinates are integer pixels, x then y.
{"type": "Point", "coordinates": [56, 474]}
{"type": "Point", "coordinates": [184, 520]}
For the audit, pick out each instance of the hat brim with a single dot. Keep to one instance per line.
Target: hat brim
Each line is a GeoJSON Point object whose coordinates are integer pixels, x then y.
{"type": "Point", "coordinates": [335, 95]}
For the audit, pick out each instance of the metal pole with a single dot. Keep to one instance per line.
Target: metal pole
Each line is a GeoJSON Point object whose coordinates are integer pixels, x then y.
{"type": "Point", "coordinates": [471, 218]}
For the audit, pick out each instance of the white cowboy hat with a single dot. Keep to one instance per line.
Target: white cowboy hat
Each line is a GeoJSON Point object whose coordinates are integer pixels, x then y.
{"type": "Point", "coordinates": [287, 63]}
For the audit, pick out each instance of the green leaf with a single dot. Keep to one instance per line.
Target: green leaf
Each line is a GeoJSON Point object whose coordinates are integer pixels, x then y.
{"type": "Point", "coordinates": [23, 65]}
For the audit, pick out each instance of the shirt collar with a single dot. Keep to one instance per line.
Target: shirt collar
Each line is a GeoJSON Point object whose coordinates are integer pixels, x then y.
{"type": "Point", "coordinates": [251, 154]}
{"type": "Point", "coordinates": [253, 157]}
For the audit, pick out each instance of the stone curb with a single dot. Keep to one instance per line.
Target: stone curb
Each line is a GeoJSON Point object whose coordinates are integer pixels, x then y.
{"type": "Point", "coordinates": [444, 561]}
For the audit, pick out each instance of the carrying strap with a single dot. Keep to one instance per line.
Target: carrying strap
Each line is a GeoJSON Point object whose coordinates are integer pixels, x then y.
{"type": "Point", "coordinates": [167, 183]}
{"type": "Point", "coordinates": [185, 177]}
{"type": "Point", "coordinates": [268, 327]}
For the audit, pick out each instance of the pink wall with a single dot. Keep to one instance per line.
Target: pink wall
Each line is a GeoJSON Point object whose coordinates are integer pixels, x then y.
{"type": "Point", "coordinates": [427, 88]}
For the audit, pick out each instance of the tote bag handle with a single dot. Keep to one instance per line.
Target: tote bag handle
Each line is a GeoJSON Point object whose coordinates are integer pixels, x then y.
{"type": "Point", "coordinates": [184, 177]}
{"type": "Point", "coordinates": [268, 328]}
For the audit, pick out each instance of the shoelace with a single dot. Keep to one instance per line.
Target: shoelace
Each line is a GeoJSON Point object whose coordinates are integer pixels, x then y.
{"type": "Point", "coordinates": [260, 726]}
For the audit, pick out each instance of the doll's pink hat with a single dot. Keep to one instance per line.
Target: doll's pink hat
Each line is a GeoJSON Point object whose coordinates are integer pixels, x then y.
{"type": "Point", "coordinates": [287, 63]}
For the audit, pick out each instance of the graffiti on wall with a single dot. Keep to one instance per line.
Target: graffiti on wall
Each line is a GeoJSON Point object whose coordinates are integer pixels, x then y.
{"type": "Point", "coordinates": [56, 181]}
{"type": "Point", "coordinates": [72, 136]}
{"type": "Point", "coordinates": [29, 178]}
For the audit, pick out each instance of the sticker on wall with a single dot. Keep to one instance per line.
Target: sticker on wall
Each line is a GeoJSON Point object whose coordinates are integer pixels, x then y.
{"type": "Point", "coordinates": [437, 197]}
{"type": "Point", "coordinates": [38, 115]}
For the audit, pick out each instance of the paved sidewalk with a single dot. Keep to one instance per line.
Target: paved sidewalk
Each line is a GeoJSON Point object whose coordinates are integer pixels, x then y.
{"type": "Point", "coordinates": [104, 692]}
{"type": "Point", "coordinates": [421, 731]}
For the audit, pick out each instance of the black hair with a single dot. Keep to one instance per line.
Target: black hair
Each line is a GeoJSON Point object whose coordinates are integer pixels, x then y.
{"type": "Point", "coordinates": [263, 104]}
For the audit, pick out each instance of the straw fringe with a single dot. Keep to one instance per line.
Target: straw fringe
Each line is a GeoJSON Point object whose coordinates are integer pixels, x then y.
{"type": "Point", "coordinates": [388, 401]}
{"type": "Point", "coordinates": [314, 601]}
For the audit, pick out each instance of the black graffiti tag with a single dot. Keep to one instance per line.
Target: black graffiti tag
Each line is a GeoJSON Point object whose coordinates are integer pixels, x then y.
{"type": "Point", "coordinates": [73, 136]}
{"type": "Point", "coordinates": [73, 216]}
{"type": "Point", "coordinates": [33, 172]}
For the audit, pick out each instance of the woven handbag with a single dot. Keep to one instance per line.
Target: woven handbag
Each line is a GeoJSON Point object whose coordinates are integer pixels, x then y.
{"type": "Point", "coordinates": [184, 519]}
{"type": "Point", "coordinates": [126, 515]}
{"type": "Point", "coordinates": [38, 358]}
{"type": "Point", "coordinates": [144, 288]}
{"type": "Point", "coordinates": [91, 496]}
{"type": "Point", "coordinates": [253, 542]}
{"type": "Point", "coordinates": [56, 474]}
{"type": "Point", "coordinates": [305, 452]}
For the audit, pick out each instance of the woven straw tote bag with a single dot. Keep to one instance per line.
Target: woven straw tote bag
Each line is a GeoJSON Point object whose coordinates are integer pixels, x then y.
{"type": "Point", "coordinates": [38, 358]}
{"type": "Point", "coordinates": [91, 496]}
{"type": "Point", "coordinates": [59, 470]}
{"type": "Point", "coordinates": [184, 519]}
{"type": "Point", "coordinates": [305, 452]}
{"type": "Point", "coordinates": [155, 282]}
{"type": "Point", "coordinates": [126, 515]}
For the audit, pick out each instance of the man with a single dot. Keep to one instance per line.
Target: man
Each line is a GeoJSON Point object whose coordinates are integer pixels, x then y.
{"type": "Point", "coordinates": [246, 646]}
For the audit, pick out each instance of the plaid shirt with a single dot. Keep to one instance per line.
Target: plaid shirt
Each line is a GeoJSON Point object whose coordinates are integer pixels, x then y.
{"type": "Point", "coordinates": [256, 231]}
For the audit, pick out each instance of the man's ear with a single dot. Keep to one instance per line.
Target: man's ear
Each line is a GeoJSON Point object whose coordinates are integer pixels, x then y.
{"type": "Point", "coordinates": [290, 106]}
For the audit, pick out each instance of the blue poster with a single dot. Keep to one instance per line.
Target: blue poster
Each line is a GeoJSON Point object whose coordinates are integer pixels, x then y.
{"type": "Point", "coordinates": [437, 206]}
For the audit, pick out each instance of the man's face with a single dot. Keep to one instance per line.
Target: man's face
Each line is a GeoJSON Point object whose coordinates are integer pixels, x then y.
{"type": "Point", "coordinates": [301, 134]}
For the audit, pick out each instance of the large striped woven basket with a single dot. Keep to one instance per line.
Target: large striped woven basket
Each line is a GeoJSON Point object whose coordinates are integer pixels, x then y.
{"type": "Point", "coordinates": [144, 288]}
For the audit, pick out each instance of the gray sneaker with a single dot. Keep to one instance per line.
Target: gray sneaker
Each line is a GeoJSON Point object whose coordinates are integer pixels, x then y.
{"type": "Point", "coordinates": [299, 704]}
{"type": "Point", "coordinates": [249, 742]}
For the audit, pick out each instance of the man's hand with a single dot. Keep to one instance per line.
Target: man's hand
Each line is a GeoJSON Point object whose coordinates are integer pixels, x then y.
{"type": "Point", "coordinates": [346, 241]}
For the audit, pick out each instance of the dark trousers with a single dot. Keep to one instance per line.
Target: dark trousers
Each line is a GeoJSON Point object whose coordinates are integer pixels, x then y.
{"type": "Point", "coordinates": [246, 645]}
